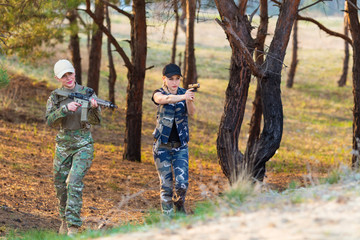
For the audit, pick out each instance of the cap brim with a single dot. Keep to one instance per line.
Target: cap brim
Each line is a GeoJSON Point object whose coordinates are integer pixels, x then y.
{"type": "Point", "coordinates": [61, 74]}
{"type": "Point", "coordinates": [172, 74]}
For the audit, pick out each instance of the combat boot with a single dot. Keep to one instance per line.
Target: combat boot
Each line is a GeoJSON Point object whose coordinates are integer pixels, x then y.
{"type": "Point", "coordinates": [73, 230]}
{"type": "Point", "coordinates": [63, 227]}
{"type": "Point", "coordinates": [180, 207]}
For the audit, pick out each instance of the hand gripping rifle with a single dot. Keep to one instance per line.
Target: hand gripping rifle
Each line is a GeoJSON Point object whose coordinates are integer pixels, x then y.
{"type": "Point", "coordinates": [84, 100]}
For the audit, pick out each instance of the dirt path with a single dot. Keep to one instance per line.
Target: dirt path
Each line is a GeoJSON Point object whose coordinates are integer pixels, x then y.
{"type": "Point", "coordinates": [316, 220]}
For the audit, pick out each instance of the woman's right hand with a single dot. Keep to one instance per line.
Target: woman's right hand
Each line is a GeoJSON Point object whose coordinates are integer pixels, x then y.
{"type": "Point", "coordinates": [190, 95]}
{"type": "Point", "coordinates": [73, 106]}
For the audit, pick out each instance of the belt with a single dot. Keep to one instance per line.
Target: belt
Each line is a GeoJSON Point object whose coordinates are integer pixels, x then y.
{"type": "Point", "coordinates": [171, 144]}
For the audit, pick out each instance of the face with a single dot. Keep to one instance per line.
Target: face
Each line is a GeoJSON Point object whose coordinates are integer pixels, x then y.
{"type": "Point", "coordinates": [172, 82]}
{"type": "Point", "coordinates": [67, 80]}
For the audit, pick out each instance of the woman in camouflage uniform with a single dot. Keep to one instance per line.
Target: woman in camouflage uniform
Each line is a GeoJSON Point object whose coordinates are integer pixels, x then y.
{"type": "Point", "coordinates": [171, 136]}
{"type": "Point", "coordinates": [74, 145]}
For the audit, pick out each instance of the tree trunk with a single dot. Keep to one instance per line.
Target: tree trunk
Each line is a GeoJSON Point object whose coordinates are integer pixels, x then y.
{"type": "Point", "coordinates": [355, 33]}
{"type": "Point", "coordinates": [112, 71]}
{"type": "Point", "coordinates": [255, 122]}
{"type": "Point", "coordinates": [230, 157]}
{"type": "Point", "coordinates": [343, 78]}
{"type": "Point", "coordinates": [95, 51]}
{"type": "Point", "coordinates": [190, 74]}
{"type": "Point", "coordinates": [136, 77]}
{"type": "Point", "coordinates": [183, 16]}
{"type": "Point", "coordinates": [294, 60]}
{"type": "Point", "coordinates": [74, 44]}
{"type": "Point", "coordinates": [173, 50]}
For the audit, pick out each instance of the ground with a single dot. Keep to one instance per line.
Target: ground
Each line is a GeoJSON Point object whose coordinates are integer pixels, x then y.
{"type": "Point", "coordinates": [117, 191]}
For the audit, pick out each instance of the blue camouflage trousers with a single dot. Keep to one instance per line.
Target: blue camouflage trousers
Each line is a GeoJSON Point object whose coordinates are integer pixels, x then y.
{"type": "Point", "coordinates": [70, 168]}
{"type": "Point", "coordinates": [172, 161]}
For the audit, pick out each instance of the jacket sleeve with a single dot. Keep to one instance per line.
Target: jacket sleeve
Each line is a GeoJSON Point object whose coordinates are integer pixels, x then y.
{"type": "Point", "coordinates": [94, 114]}
{"type": "Point", "coordinates": [54, 115]}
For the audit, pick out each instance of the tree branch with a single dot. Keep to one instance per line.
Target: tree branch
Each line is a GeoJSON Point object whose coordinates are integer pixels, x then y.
{"type": "Point", "coordinates": [277, 3]}
{"type": "Point", "coordinates": [313, 4]}
{"type": "Point", "coordinates": [325, 29]}
{"type": "Point", "coordinates": [129, 15]}
{"type": "Point", "coordinates": [352, 4]}
{"type": "Point", "coordinates": [242, 7]}
{"type": "Point", "coordinates": [225, 24]}
{"type": "Point", "coordinates": [113, 41]}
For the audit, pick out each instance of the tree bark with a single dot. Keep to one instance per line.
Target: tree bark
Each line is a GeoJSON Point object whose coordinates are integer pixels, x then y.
{"type": "Point", "coordinates": [112, 71]}
{"type": "Point", "coordinates": [190, 73]}
{"type": "Point", "coordinates": [294, 60]}
{"type": "Point", "coordinates": [173, 50]}
{"type": "Point", "coordinates": [74, 44]}
{"type": "Point", "coordinates": [355, 33]}
{"type": "Point", "coordinates": [343, 78]}
{"type": "Point", "coordinates": [135, 89]}
{"type": "Point", "coordinates": [95, 51]}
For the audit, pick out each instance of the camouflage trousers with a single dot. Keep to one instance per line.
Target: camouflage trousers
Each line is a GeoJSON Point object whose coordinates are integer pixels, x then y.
{"type": "Point", "coordinates": [172, 161]}
{"type": "Point", "coordinates": [70, 168]}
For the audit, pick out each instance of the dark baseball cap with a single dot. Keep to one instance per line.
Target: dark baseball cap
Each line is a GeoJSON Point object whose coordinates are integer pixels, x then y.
{"type": "Point", "coordinates": [171, 69]}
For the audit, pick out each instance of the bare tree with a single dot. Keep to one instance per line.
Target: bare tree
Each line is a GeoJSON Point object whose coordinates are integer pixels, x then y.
{"type": "Point", "coordinates": [136, 73]}
{"type": "Point", "coordinates": [190, 73]}
{"type": "Point", "coordinates": [343, 78]}
{"type": "Point", "coordinates": [236, 25]}
{"type": "Point", "coordinates": [95, 51]}
{"type": "Point", "coordinates": [294, 60]}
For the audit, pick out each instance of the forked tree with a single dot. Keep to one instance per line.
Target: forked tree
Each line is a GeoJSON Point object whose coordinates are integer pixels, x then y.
{"type": "Point", "coordinates": [136, 67]}
{"type": "Point", "coordinates": [237, 27]}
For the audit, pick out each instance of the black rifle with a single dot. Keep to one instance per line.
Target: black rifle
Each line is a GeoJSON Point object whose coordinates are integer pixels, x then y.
{"type": "Point", "coordinates": [84, 100]}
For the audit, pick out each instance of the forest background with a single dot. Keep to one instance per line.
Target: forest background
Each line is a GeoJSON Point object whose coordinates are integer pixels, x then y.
{"type": "Point", "coordinates": [317, 134]}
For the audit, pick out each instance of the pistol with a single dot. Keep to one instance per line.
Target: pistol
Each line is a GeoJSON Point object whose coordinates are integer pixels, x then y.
{"type": "Point", "coordinates": [195, 86]}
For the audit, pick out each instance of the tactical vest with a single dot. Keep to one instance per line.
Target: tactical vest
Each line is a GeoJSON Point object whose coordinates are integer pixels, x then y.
{"type": "Point", "coordinates": [167, 114]}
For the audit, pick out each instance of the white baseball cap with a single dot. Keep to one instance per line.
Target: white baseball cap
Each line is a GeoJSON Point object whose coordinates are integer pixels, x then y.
{"type": "Point", "coordinates": [63, 66]}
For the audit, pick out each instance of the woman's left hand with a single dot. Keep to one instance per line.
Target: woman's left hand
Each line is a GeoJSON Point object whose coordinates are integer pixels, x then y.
{"type": "Point", "coordinates": [94, 104]}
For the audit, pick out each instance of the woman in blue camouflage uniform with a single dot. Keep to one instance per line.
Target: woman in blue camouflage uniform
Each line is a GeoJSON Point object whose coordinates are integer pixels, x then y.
{"type": "Point", "coordinates": [171, 136]}
{"type": "Point", "coordinates": [74, 145]}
